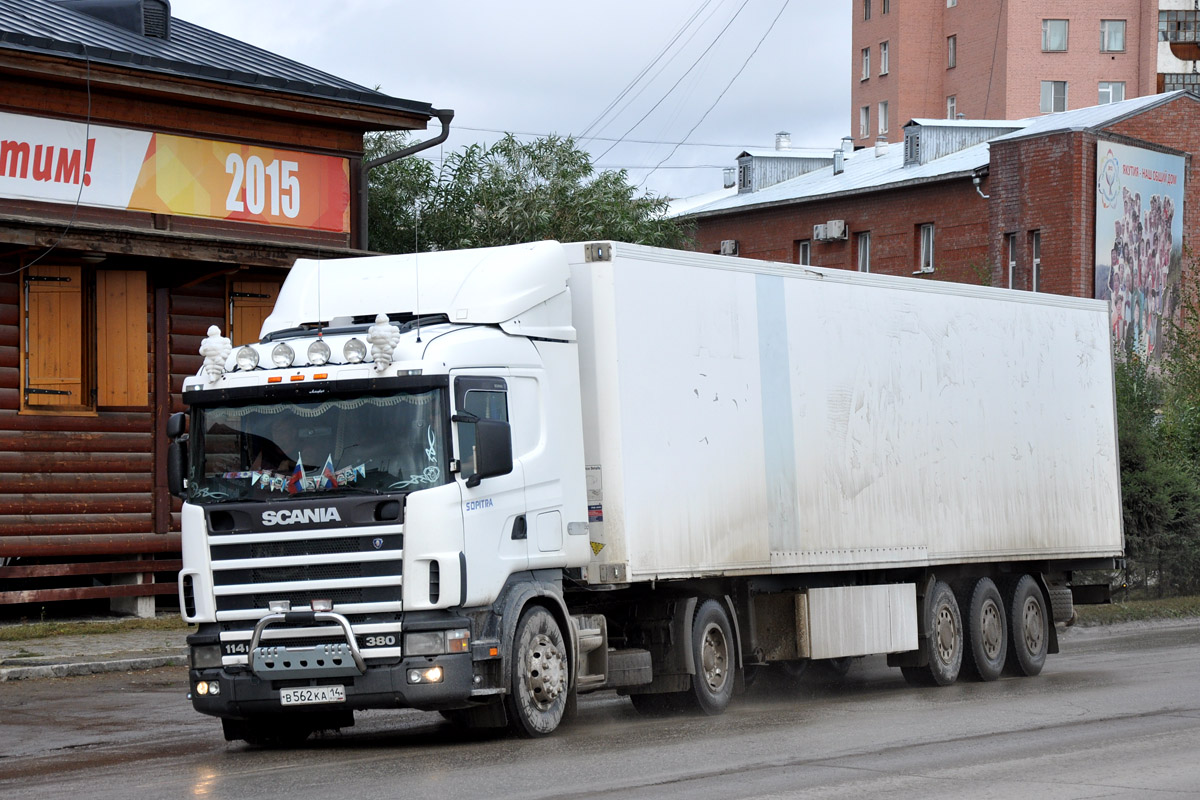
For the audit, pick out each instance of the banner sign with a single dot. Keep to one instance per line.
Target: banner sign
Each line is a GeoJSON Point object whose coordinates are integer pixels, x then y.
{"type": "Point", "coordinates": [1139, 241]}
{"type": "Point", "coordinates": [55, 161]}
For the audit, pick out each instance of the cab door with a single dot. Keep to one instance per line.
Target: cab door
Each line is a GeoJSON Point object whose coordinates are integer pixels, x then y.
{"type": "Point", "coordinates": [494, 527]}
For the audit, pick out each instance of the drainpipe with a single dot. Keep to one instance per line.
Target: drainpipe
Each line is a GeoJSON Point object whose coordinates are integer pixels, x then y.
{"type": "Point", "coordinates": [444, 116]}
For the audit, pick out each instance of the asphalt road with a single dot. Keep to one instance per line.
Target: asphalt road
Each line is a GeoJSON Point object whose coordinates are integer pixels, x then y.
{"type": "Point", "coordinates": [1117, 714]}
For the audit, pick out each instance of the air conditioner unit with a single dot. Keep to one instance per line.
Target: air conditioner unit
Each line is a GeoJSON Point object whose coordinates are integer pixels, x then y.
{"type": "Point", "coordinates": [729, 247]}
{"type": "Point", "coordinates": [820, 232]}
{"type": "Point", "coordinates": [836, 228]}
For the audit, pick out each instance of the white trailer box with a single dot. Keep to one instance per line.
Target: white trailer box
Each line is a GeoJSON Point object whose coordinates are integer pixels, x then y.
{"type": "Point", "coordinates": [744, 417]}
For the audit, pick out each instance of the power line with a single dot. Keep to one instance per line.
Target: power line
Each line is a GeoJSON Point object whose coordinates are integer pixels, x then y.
{"type": "Point", "coordinates": [675, 85]}
{"type": "Point", "coordinates": [611, 139]}
{"type": "Point", "coordinates": [741, 69]}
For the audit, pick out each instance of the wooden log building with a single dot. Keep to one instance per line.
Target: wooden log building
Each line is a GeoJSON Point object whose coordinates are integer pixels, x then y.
{"type": "Point", "coordinates": [156, 178]}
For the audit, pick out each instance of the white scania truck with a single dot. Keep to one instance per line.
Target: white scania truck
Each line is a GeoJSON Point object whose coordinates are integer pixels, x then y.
{"type": "Point", "coordinates": [480, 482]}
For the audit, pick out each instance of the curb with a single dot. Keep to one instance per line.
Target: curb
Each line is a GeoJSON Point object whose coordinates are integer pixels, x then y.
{"type": "Point", "coordinates": [91, 667]}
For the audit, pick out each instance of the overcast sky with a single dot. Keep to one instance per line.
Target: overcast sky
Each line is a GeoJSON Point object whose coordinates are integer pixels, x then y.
{"type": "Point", "coordinates": [555, 66]}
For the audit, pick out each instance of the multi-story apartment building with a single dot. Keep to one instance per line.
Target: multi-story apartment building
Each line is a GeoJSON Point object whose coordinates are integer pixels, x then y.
{"type": "Point", "coordinates": [999, 59]}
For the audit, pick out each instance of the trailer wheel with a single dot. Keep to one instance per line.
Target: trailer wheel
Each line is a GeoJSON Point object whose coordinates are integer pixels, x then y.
{"type": "Point", "coordinates": [944, 643]}
{"type": "Point", "coordinates": [1029, 628]}
{"type": "Point", "coordinates": [539, 680]}
{"type": "Point", "coordinates": [986, 628]}
{"type": "Point", "coordinates": [713, 650]}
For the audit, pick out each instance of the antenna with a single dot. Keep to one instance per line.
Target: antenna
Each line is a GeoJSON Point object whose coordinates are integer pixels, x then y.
{"type": "Point", "coordinates": [417, 264]}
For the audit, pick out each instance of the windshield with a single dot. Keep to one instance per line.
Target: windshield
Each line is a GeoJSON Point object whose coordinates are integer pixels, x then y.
{"type": "Point", "coordinates": [375, 444]}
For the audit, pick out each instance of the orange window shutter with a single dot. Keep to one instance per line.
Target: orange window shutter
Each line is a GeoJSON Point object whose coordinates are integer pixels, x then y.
{"type": "Point", "coordinates": [54, 332]}
{"type": "Point", "coordinates": [250, 305]}
{"type": "Point", "coordinates": [122, 345]}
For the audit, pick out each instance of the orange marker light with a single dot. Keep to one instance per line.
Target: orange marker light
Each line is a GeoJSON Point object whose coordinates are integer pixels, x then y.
{"type": "Point", "coordinates": [275, 379]}
{"type": "Point", "coordinates": [297, 377]}
{"type": "Point", "coordinates": [320, 376]}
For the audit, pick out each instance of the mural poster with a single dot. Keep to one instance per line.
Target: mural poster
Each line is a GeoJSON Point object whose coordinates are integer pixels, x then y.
{"type": "Point", "coordinates": [1139, 242]}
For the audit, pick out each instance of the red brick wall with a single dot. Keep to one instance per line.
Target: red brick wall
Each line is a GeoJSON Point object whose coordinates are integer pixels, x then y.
{"type": "Point", "coordinates": [893, 219]}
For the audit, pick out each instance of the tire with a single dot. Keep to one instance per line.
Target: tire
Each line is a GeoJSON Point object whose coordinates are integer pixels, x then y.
{"type": "Point", "coordinates": [715, 658]}
{"type": "Point", "coordinates": [944, 644]}
{"type": "Point", "coordinates": [986, 627]}
{"type": "Point", "coordinates": [539, 677]}
{"type": "Point", "coordinates": [1029, 627]}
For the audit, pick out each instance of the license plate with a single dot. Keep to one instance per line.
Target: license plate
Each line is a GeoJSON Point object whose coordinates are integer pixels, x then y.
{"type": "Point", "coordinates": [311, 695]}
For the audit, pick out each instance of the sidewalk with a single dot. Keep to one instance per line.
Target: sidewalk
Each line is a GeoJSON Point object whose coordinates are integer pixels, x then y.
{"type": "Point", "coordinates": [60, 656]}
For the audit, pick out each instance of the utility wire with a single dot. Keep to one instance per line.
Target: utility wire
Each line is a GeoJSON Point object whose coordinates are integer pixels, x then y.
{"type": "Point", "coordinates": [628, 88]}
{"type": "Point", "coordinates": [741, 69]}
{"type": "Point", "coordinates": [674, 86]}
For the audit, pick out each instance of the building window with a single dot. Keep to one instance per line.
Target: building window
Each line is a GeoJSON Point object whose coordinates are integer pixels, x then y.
{"type": "Point", "coordinates": [887, 7]}
{"type": "Point", "coordinates": [883, 58]}
{"type": "Point", "coordinates": [952, 107]}
{"type": "Point", "coordinates": [1178, 26]}
{"type": "Point", "coordinates": [1112, 36]}
{"type": "Point", "coordinates": [1112, 91]}
{"type": "Point", "coordinates": [1011, 247]}
{"type": "Point", "coordinates": [951, 3]}
{"type": "Point", "coordinates": [1054, 35]}
{"type": "Point", "coordinates": [951, 52]}
{"type": "Point", "coordinates": [743, 177]}
{"type": "Point", "coordinates": [1054, 96]}
{"type": "Point", "coordinates": [866, 9]}
{"type": "Point", "coordinates": [804, 252]}
{"type": "Point", "coordinates": [926, 263]}
{"type": "Point", "coordinates": [85, 339]}
{"type": "Point", "coordinates": [864, 251]}
{"type": "Point", "coordinates": [866, 63]}
{"type": "Point", "coordinates": [1035, 248]}
{"type": "Point", "coordinates": [883, 117]}
{"type": "Point", "coordinates": [864, 122]}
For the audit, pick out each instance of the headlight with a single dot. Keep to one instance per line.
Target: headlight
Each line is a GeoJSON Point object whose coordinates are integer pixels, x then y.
{"type": "Point", "coordinates": [426, 643]}
{"type": "Point", "coordinates": [247, 358]}
{"type": "Point", "coordinates": [283, 355]}
{"type": "Point", "coordinates": [318, 353]}
{"type": "Point", "coordinates": [354, 351]}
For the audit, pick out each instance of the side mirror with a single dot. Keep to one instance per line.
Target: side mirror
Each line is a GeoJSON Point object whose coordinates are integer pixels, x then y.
{"type": "Point", "coordinates": [177, 468]}
{"type": "Point", "coordinates": [493, 450]}
{"type": "Point", "coordinates": [176, 425]}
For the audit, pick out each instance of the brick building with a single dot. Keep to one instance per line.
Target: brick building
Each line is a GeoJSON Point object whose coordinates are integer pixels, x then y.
{"type": "Point", "coordinates": [995, 60]}
{"type": "Point", "coordinates": [156, 178]}
{"type": "Point", "coordinates": [1097, 202]}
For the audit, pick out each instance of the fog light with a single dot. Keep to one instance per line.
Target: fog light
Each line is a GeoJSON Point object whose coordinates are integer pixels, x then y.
{"type": "Point", "coordinates": [202, 688]}
{"type": "Point", "coordinates": [318, 353]}
{"type": "Point", "coordinates": [214, 688]}
{"type": "Point", "coordinates": [279, 606]}
{"type": "Point", "coordinates": [354, 351]}
{"type": "Point", "coordinates": [247, 358]}
{"type": "Point", "coordinates": [283, 355]}
{"type": "Point", "coordinates": [431, 675]}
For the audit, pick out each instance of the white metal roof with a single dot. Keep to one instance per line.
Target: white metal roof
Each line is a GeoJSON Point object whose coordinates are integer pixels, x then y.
{"type": "Point", "coordinates": [863, 172]}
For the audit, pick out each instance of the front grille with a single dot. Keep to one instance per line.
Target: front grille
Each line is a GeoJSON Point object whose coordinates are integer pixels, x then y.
{"type": "Point", "coordinates": [306, 572]}
{"type": "Point", "coordinates": [306, 547]}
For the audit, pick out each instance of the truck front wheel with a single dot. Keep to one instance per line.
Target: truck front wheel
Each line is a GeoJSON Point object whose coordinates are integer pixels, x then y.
{"type": "Point", "coordinates": [712, 648]}
{"type": "Point", "coordinates": [540, 675]}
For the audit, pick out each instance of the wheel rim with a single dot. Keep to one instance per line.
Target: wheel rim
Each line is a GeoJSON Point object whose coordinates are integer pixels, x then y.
{"type": "Point", "coordinates": [714, 657]}
{"type": "Point", "coordinates": [546, 673]}
{"type": "Point", "coordinates": [992, 630]}
{"type": "Point", "coordinates": [947, 634]}
{"type": "Point", "coordinates": [1034, 623]}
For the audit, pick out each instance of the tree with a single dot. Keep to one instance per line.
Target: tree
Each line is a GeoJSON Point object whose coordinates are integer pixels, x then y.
{"type": "Point", "coordinates": [506, 193]}
{"type": "Point", "coordinates": [1158, 424]}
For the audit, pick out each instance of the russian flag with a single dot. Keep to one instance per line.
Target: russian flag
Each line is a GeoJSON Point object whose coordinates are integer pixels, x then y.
{"type": "Point", "coordinates": [296, 482]}
{"type": "Point", "coordinates": [328, 478]}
